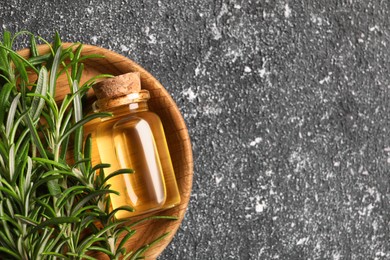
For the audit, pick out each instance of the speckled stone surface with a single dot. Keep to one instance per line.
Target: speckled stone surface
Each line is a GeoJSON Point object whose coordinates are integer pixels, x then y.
{"type": "Point", "coordinates": [287, 105]}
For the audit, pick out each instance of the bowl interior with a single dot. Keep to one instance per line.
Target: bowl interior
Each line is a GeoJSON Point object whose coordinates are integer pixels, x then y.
{"type": "Point", "coordinates": [174, 127]}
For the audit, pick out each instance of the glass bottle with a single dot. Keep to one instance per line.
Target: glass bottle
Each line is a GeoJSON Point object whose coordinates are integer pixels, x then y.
{"type": "Point", "coordinates": [134, 138]}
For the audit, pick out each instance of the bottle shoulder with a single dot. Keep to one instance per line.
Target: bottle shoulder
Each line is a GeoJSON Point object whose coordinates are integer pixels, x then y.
{"type": "Point", "coordinates": [148, 116]}
{"type": "Point", "coordinates": [119, 118]}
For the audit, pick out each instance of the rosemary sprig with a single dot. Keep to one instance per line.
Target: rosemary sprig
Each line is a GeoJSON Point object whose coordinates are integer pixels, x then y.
{"type": "Point", "coordinates": [50, 209]}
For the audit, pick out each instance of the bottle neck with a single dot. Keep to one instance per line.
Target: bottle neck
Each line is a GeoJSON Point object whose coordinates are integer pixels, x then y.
{"type": "Point", "coordinates": [127, 109]}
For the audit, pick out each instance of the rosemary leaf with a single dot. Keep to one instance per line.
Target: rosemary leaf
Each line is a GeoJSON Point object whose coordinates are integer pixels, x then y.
{"type": "Point", "coordinates": [53, 72]}
{"type": "Point", "coordinates": [11, 115]}
{"type": "Point", "coordinates": [4, 97]}
{"type": "Point", "coordinates": [41, 89]}
{"type": "Point", "coordinates": [9, 252]}
{"type": "Point", "coordinates": [55, 221]}
{"type": "Point", "coordinates": [35, 137]}
{"type": "Point", "coordinates": [147, 246]}
{"type": "Point", "coordinates": [12, 52]}
{"type": "Point", "coordinates": [83, 122]}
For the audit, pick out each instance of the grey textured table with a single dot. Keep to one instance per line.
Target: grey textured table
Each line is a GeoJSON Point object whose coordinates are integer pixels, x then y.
{"type": "Point", "coordinates": [287, 105]}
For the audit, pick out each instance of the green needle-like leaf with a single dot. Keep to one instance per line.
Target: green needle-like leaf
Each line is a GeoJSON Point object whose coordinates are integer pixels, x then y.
{"type": "Point", "coordinates": [35, 136]}
{"type": "Point", "coordinates": [55, 164]}
{"type": "Point", "coordinates": [33, 48]}
{"type": "Point", "coordinates": [7, 39]}
{"type": "Point", "coordinates": [90, 196]}
{"type": "Point", "coordinates": [143, 249]}
{"type": "Point", "coordinates": [9, 252]}
{"type": "Point", "coordinates": [53, 72]}
{"type": "Point", "coordinates": [41, 89]}
{"type": "Point", "coordinates": [83, 122]}
{"type": "Point", "coordinates": [11, 114]}
{"type": "Point", "coordinates": [39, 60]}
{"type": "Point", "coordinates": [78, 115]}
{"type": "Point", "coordinates": [126, 238]}
{"type": "Point", "coordinates": [55, 222]}
{"type": "Point", "coordinates": [118, 172]}
{"type": "Point", "coordinates": [58, 255]}
{"type": "Point", "coordinates": [101, 249]}
{"type": "Point", "coordinates": [26, 220]}
{"type": "Point", "coordinates": [16, 55]}
{"type": "Point", "coordinates": [4, 99]}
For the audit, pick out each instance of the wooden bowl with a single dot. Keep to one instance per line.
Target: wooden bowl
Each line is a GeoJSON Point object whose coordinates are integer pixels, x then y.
{"type": "Point", "coordinates": [175, 130]}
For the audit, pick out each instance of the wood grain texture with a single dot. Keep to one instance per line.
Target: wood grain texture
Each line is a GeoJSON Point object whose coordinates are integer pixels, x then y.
{"type": "Point", "coordinates": [175, 130]}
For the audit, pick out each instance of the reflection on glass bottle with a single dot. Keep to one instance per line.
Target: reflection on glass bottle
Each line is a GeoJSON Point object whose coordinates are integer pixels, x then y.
{"type": "Point", "coordinates": [135, 148]}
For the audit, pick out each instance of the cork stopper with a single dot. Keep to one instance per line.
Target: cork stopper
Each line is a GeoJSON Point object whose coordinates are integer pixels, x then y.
{"type": "Point", "coordinates": [120, 90]}
{"type": "Point", "coordinates": [118, 86]}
